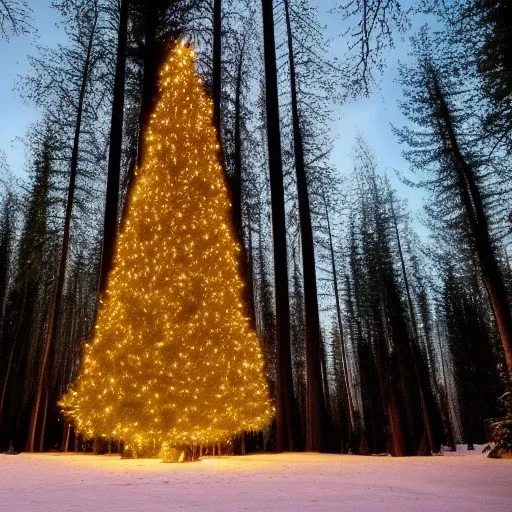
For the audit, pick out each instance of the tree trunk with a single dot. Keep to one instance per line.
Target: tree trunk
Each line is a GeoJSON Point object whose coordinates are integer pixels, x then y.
{"type": "Point", "coordinates": [43, 422]}
{"type": "Point", "coordinates": [315, 406]}
{"type": "Point", "coordinates": [59, 287]}
{"type": "Point", "coordinates": [339, 317]}
{"type": "Point", "coordinates": [245, 264]}
{"type": "Point", "coordinates": [251, 305]}
{"type": "Point", "coordinates": [450, 436]}
{"type": "Point", "coordinates": [150, 76]}
{"type": "Point", "coordinates": [5, 257]}
{"type": "Point", "coordinates": [236, 185]}
{"type": "Point", "coordinates": [434, 445]}
{"type": "Point", "coordinates": [65, 444]}
{"type": "Point", "coordinates": [284, 384]}
{"type": "Point", "coordinates": [217, 65]}
{"type": "Point", "coordinates": [114, 157]}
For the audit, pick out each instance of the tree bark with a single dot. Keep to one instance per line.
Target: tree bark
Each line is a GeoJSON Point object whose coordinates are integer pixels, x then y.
{"type": "Point", "coordinates": [245, 264]}
{"type": "Point", "coordinates": [315, 407]}
{"type": "Point", "coordinates": [350, 401]}
{"type": "Point", "coordinates": [434, 445]}
{"type": "Point", "coordinates": [284, 384]}
{"type": "Point", "coordinates": [450, 436]}
{"type": "Point", "coordinates": [149, 78]}
{"type": "Point", "coordinates": [114, 157]}
{"type": "Point", "coordinates": [217, 65]}
{"type": "Point", "coordinates": [236, 186]}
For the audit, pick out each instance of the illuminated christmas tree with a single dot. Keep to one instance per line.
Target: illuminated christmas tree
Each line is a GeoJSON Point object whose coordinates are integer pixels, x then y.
{"type": "Point", "coordinates": [173, 359]}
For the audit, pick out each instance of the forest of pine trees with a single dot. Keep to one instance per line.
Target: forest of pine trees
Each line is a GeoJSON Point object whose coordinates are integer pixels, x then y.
{"type": "Point", "coordinates": [376, 338]}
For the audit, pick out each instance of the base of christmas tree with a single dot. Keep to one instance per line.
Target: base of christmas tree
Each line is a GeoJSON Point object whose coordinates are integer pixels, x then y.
{"type": "Point", "coordinates": [166, 453]}
{"type": "Point", "coordinates": [173, 454]}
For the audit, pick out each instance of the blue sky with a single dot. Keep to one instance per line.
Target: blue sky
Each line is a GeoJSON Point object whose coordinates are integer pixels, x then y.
{"type": "Point", "coordinates": [370, 117]}
{"type": "Point", "coordinates": [373, 117]}
{"type": "Point", "coordinates": [15, 116]}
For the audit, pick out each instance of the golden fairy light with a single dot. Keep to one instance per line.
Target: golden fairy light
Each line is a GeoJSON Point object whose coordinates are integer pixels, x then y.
{"type": "Point", "coordinates": [173, 359]}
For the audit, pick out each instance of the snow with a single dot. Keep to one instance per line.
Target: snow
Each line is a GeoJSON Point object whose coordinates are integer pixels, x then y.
{"type": "Point", "coordinates": [268, 482]}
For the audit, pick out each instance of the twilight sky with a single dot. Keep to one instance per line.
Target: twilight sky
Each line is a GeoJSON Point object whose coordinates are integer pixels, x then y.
{"type": "Point", "coordinates": [370, 117]}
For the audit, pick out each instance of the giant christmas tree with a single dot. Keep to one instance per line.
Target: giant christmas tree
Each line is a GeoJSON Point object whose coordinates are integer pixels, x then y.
{"type": "Point", "coordinates": [173, 358]}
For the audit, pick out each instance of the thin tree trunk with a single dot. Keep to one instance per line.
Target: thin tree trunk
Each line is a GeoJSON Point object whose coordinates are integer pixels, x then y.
{"type": "Point", "coordinates": [245, 264]}
{"type": "Point", "coordinates": [284, 384]}
{"type": "Point", "coordinates": [396, 438]}
{"type": "Point", "coordinates": [13, 349]}
{"type": "Point", "coordinates": [325, 381]}
{"type": "Point", "coordinates": [433, 445]}
{"type": "Point", "coordinates": [149, 79]}
{"type": "Point", "coordinates": [217, 65]}
{"type": "Point", "coordinates": [236, 188]}
{"type": "Point", "coordinates": [114, 157]}
{"type": "Point", "coordinates": [250, 281]}
{"type": "Point", "coordinates": [58, 290]}
{"type": "Point", "coordinates": [5, 258]}
{"type": "Point", "coordinates": [65, 444]}
{"type": "Point", "coordinates": [451, 436]}
{"type": "Point", "coordinates": [6, 379]}
{"type": "Point", "coordinates": [350, 401]}
{"type": "Point", "coordinates": [315, 407]}
{"type": "Point", "coordinates": [43, 422]}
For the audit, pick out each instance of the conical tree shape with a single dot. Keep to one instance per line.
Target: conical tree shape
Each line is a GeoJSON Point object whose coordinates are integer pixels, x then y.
{"type": "Point", "coordinates": [173, 358]}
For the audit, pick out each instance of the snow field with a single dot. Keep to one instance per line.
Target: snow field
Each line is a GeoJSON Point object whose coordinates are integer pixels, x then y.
{"type": "Point", "coordinates": [285, 482]}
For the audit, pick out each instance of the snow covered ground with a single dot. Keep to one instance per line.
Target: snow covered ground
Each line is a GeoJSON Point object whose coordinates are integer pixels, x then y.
{"type": "Point", "coordinates": [284, 482]}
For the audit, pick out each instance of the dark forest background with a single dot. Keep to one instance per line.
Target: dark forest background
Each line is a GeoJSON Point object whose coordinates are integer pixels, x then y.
{"type": "Point", "coordinates": [376, 340]}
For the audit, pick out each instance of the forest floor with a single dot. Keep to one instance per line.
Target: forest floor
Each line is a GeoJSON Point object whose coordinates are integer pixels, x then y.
{"type": "Point", "coordinates": [285, 482]}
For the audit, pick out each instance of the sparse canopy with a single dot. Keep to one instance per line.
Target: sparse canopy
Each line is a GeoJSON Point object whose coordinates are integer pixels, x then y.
{"type": "Point", "coordinates": [14, 18]}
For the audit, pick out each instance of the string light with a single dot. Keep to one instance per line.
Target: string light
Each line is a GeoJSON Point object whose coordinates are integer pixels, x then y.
{"type": "Point", "coordinates": [173, 359]}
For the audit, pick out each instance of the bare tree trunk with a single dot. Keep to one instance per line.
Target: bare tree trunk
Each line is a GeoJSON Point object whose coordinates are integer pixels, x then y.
{"type": "Point", "coordinates": [315, 407]}
{"type": "Point", "coordinates": [396, 439]}
{"type": "Point", "coordinates": [434, 446]}
{"type": "Point", "coordinates": [5, 257]}
{"type": "Point", "coordinates": [58, 290]}
{"type": "Point", "coordinates": [6, 379]}
{"type": "Point", "coordinates": [65, 444]}
{"type": "Point", "coordinates": [325, 382]}
{"type": "Point", "coordinates": [250, 282]}
{"type": "Point", "coordinates": [284, 384]}
{"type": "Point", "coordinates": [149, 79]}
{"type": "Point", "coordinates": [348, 389]}
{"type": "Point", "coordinates": [244, 450]}
{"type": "Point", "coordinates": [13, 348]}
{"type": "Point", "coordinates": [245, 264]}
{"type": "Point", "coordinates": [114, 165]}
{"type": "Point", "coordinates": [217, 65]}
{"type": "Point", "coordinates": [43, 422]}
{"type": "Point", "coordinates": [236, 186]}
{"type": "Point", "coordinates": [114, 157]}
{"type": "Point", "coordinates": [446, 405]}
